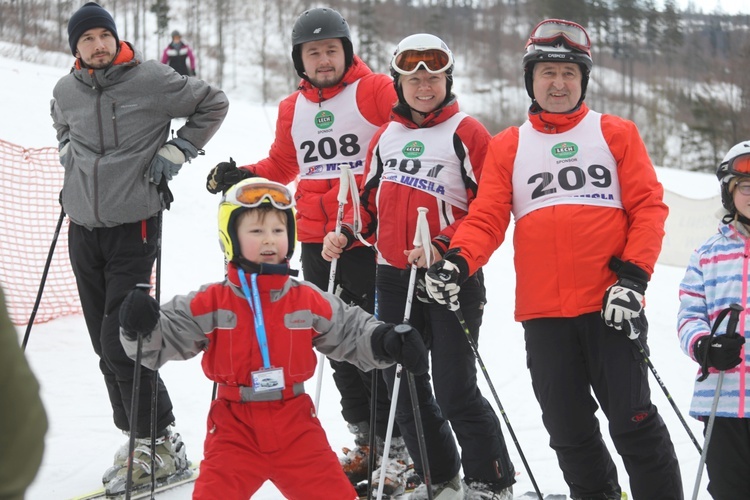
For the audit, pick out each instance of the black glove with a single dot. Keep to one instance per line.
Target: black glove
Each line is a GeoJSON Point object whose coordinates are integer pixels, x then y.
{"type": "Point", "coordinates": [723, 352]}
{"type": "Point", "coordinates": [225, 175]}
{"type": "Point", "coordinates": [139, 313]}
{"type": "Point", "coordinates": [420, 291]}
{"type": "Point", "coordinates": [402, 344]}
{"type": "Point", "coordinates": [624, 299]}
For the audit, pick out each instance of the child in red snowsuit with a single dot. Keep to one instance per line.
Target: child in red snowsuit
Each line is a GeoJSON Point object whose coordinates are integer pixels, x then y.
{"type": "Point", "coordinates": [256, 330]}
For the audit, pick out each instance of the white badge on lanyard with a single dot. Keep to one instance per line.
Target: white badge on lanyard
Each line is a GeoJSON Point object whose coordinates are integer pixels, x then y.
{"type": "Point", "coordinates": [268, 379]}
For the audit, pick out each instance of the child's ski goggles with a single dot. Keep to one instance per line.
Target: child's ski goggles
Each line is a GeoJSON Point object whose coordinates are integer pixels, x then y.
{"type": "Point", "coordinates": [434, 61]}
{"type": "Point", "coordinates": [253, 194]}
{"type": "Point", "coordinates": [557, 30]}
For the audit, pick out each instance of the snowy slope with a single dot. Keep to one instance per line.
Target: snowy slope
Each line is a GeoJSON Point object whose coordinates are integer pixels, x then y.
{"type": "Point", "coordinates": [82, 439]}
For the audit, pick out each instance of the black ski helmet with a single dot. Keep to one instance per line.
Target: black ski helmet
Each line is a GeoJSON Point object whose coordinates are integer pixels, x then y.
{"type": "Point", "coordinates": [729, 169]}
{"type": "Point", "coordinates": [557, 49]}
{"type": "Point", "coordinates": [320, 24]}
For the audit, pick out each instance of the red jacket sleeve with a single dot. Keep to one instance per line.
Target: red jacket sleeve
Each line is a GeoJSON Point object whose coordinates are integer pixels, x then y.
{"type": "Point", "coordinates": [642, 193]}
{"type": "Point", "coordinates": [483, 229]}
{"type": "Point", "coordinates": [281, 163]}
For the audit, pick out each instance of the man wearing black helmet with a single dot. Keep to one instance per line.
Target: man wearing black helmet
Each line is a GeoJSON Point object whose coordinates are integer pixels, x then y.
{"type": "Point", "coordinates": [329, 121]}
{"type": "Point", "coordinates": [589, 221]}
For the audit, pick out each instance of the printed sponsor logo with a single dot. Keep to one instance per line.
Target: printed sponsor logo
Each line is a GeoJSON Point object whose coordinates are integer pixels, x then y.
{"type": "Point", "coordinates": [324, 119]}
{"type": "Point", "coordinates": [564, 150]}
{"type": "Point", "coordinates": [333, 167]}
{"type": "Point", "coordinates": [413, 149]}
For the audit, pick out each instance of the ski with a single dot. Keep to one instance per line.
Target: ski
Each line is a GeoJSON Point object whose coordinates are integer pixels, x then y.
{"type": "Point", "coordinates": [412, 481]}
{"type": "Point", "coordinates": [529, 495]}
{"type": "Point", "coordinates": [187, 477]}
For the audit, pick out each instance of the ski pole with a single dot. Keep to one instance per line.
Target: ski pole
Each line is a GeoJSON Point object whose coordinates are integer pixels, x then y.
{"type": "Point", "coordinates": [43, 281]}
{"type": "Point", "coordinates": [342, 199]}
{"type": "Point", "coordinates": [155, 377]}
{"type": "Point", "coordinates": [734, 314]}
{"type": "Point", "coordinates": [465, 327]}
{"type": "Point", "coordinates": [421, 223]}
{"type": "Point", "coordinates": [646, 358]}
{"type": "Point", "coordinates": [134, 408]}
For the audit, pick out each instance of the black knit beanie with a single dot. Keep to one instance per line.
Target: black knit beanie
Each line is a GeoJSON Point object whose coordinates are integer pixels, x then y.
{"type": "Point", "coordinates": [91, 15]}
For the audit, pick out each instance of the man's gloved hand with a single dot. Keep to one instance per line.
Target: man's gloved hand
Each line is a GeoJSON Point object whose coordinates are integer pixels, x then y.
{"type": "Point", "coordinates": [169, 159]}
{"type": "Point", "coordinates": [624, 300]}
{"type": "Point", "coordinates": [139, 313]}
{"type": "Point", "coordinates": [723, 352]}
{"type": "Point", "coordinates": [225, 175]}
{"type": "Point", "coordinates": [420, 291]}
{"type": "Point", "coordinates": [402, 344]}
{"type": "Point", "coordinates": [442, 283]}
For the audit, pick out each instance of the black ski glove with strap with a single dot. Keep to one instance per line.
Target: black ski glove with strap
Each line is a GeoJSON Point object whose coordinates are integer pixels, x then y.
{"type": "Point", "coordinates": [225, 175]}
{"type": "Point", "coordinates": [402, 344]}
{"type": "Point", "coordinates": [139, 313]}
{"type": "Point", "coordinates": [624, 300]}
{"type": "Point", "coordinates": [723, 352]}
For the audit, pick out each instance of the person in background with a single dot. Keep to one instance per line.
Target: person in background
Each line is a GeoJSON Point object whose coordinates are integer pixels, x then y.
{"type": "Point", "coordinates": [329, 121]}
{"type": "Point", "coordinates": [179, 55]}
{"type": "Point", "coordinates": [23, 421]}
{"type": "Point", "coordinates": [589, 223]}
{"type": "Point", "coordinates": [256, 331]}
{"type": "Point", "coordinates": [115, 187]}
{"type": "Point", "coordinates": [717, 277]}
{"type": "Point", "coordinates": [430, 156]}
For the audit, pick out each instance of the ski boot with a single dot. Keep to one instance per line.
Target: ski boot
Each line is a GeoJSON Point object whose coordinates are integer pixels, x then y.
{"type": "Point", "coordinates": [171, 463]}
{"type": "Point", "coordinates": [120, 461]}
{"type": "Point", "coordinates": [449, 490]}
{"type": "Point", "coordinates": [396, 467]}
{"type": "Point", "coordinates": [354, 461]}
{"type": "Point", "coordinates": [486, 490]}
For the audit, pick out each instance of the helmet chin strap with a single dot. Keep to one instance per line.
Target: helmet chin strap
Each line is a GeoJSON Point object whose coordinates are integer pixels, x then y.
{"type": "Point", "coordinates": [263, 268]}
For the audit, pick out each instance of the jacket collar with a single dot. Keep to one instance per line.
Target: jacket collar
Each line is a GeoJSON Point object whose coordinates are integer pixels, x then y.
{"type": "Point", "coordinates": [556, 123]}
{"type": "Point", "coordinates": [357, 70]}
{"type": "Point", "coordinates": [402, 114]}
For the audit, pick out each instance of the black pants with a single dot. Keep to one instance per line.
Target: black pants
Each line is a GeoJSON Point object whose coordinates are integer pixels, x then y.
{"type": "Point", "coordinates": [457, 398]}
{"type": "Point", "coordinates": [355, 275]}
{"type": "Point", "coordinates": [108, 263]}
{"type": "Point", "coordinates": [567, 358]}
{"type": "Point", "coordinates": [728, 459]}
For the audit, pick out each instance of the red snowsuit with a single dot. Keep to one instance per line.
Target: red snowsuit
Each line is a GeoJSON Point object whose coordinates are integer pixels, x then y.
{"type": "Point", "coordinates": [252, 441]}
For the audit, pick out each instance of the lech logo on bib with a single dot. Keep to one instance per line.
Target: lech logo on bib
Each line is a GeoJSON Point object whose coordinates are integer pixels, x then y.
{"type": "Point", "coordinates": [564, 150]}
{"type": "Point", "coordinates": [324, 119]}
{"type": "Point", "coordinates": [413, 149]}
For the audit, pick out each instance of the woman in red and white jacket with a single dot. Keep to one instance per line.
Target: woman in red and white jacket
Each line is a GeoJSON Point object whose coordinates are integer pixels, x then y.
{"type": "Point", "coordinates": [430, 156]}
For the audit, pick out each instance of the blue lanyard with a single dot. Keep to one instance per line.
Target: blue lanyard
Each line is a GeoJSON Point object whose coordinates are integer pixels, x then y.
{"type": "Point", "coordinates": [260, 326]}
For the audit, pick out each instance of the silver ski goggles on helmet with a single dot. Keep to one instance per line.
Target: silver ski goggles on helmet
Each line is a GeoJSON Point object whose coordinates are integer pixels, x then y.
{"type": "Point", "coordinates": [550, 31]}
{"type": "Point", "coordinates": [255, 194]}
{"type": "Point", "coordinates": [407, 62]}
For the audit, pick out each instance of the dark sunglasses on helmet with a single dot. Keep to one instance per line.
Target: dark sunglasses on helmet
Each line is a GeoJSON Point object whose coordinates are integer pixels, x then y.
{"type": "Point", "coordinates": [557, 30]}
{"type": "Point", "coordinates": [432, 60]}
{"type": "Point", "coordinates": [253, 195]}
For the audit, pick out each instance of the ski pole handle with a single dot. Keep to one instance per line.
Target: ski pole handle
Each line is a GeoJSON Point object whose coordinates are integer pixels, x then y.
{"type": "Point", "coordinates": [734, 318]}
{"type": "Point", "coordinates": [343, 196]}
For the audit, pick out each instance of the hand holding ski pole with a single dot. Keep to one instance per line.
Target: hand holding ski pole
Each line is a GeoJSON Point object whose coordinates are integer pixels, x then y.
{"type": "Point", "coordinates": [734, 311]}
{"type": "Point", "coordinates": [139, 313]}
{"type": "Point", "coordinates": [342, 199]}
{"type": "Point", "coordinates": [442, 281]}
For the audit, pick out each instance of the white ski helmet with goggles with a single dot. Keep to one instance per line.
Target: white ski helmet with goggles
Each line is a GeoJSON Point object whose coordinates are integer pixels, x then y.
{"type": "Point", "coordinates": [736, 164]}
{"type": "Point", "coordinates": [558, 40]}
{"type": "Point", "coordinates": [320, 24]}
{"type": "Point", "coordinates": [422, 51]}
{"type": "Point", "coordinates": [246, 195]}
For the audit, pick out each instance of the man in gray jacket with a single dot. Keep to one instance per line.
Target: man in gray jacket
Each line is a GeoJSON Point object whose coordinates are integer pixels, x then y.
{"type": "Point", "coordinates": [112, 114]}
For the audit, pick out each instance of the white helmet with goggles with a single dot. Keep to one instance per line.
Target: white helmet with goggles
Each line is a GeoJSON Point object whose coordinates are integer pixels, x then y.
{"type": "Point", "coordinates": [246, 195]}
{"type": "Point", "coordinates": [736, 164]}
{"type": "Point", "coordinates": [422, 51]}
{"type": "Point", "coordinates": [558, 40]}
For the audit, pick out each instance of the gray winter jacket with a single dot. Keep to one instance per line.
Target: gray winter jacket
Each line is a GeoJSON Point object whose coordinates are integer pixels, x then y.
{"type": "Point", "coordinates": [114, 120]}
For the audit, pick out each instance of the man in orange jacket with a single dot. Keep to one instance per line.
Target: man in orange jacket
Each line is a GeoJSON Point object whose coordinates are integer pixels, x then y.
{"type": "Point", "coordinates": [329, 121]}
{"type": "Point", "coordinates": [589, 221]}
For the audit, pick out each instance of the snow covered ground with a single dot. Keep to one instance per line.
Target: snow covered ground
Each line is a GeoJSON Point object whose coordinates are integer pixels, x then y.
{"type": "Point", "coordinates": [82, 440]}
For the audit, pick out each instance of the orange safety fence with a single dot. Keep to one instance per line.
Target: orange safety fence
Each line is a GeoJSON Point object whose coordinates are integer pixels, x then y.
{"type": "Point", "coordinates": [30, 184]}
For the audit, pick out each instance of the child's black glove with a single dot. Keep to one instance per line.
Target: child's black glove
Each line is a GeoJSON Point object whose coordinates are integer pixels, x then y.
{"type": "Point", "coordinates": [225, 175]}
{"type": "Point", "coordinates": [723, 352]}
{"type": "Point", "coordinates": [402, 344]}
{"type": "Point", "coordinates": [139, 313]}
